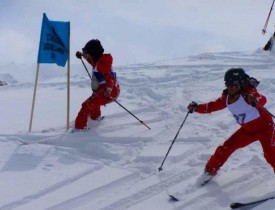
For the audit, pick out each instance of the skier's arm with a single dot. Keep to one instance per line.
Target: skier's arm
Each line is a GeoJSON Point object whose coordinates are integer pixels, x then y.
{"type": "Point", "coordinates": [212, 106]}
{"type": "Point", "coordinates": [104, 66]}
{"type": "Point", "coordinates": [254, 98]}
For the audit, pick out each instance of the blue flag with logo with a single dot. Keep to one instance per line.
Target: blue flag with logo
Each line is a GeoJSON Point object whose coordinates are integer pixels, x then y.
{"type": "Point", "coordinates": [54, 42]}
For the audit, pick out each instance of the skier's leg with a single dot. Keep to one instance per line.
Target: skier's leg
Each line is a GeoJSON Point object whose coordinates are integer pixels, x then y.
{"type": "Point", "coordinates": [83, 114]}
{"type": "Point", "coordinates": [267, 140]}
{"type": "Point", "coordinates": [238, 140]}
{"type": "Point", "coordinates": [96, 102]}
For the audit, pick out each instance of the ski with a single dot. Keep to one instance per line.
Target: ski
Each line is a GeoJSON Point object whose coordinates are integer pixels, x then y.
{"type": "Point", "coordinates": [235, 205]}
{"type": "Point", "coordinates": [178, 196]}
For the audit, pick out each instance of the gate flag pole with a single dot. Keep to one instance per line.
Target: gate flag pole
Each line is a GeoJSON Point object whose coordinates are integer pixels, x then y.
{"type": "Point", "coordinates": [54, 47]}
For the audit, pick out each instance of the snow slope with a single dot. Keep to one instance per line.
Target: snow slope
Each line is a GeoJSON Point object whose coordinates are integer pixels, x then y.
{"type": "Point", "coordinates": [114, 166]}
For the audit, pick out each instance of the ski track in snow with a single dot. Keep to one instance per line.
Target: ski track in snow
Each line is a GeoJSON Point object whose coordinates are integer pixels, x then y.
{"type": "Point", "coordinates": [157, 93]}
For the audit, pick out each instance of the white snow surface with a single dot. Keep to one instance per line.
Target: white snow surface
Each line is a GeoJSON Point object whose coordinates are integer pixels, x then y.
{"type": "Point", "coordinates": [166, 54]}
{"type": "Point", "coordinates": [114, 165]}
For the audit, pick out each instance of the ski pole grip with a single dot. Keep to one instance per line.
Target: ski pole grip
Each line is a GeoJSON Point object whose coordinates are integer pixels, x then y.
{"type": "Point", "coordinates": [192, 106]}
{"type": "Point", "coordinates": [193, 103]}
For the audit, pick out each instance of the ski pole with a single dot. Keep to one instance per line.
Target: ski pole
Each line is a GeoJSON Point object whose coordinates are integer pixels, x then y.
{"type": "Point", "coordinates": [86, 69]}
{"type": "Point", "coordinates": [116, 100]}
{"type": "Point", "coordinates": [267, 19]}
{"type": "Point", "coordinates": [268, 112]}
{"type": "Point", "coordinates": [132, 114]}
{"type": "Point", "coordinates": [160, 168]}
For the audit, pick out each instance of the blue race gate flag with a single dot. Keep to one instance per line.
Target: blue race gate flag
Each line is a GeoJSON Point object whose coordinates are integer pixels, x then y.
{"type": "Point", "coordinates": [54, 42]}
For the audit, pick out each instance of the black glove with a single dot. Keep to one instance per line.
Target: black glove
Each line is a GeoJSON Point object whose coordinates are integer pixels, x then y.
{"type": "Point", "coordinates": [192, 107]}
{"type": "Point", "coordinates": [78, 55]}
{"type": "Point", "coordinates": [253, 82]}
{"type": "Point", "coordinates": [252, 100]}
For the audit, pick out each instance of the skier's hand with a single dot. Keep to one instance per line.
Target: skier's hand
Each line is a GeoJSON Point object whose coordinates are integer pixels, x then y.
{"type": "Point", "coordinates": [252, 100]}
{"type": "Point", "coordinates": [107, 92]}
{"type": "Point", "coordinates": [253, 82]}
{"type": "Point", "coordinates": [79, 54]}
{"type": "Point", "coordinates": [192, 107]}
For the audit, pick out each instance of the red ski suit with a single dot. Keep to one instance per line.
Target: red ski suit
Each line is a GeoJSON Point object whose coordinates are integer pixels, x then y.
{"type": "Point", "coordinates": [105, 79]}
{"type": "Point", "coordinates": [261, 128]}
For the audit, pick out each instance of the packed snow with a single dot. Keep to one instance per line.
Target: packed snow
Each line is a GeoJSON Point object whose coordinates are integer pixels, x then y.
{"type": "Point", "coordinates": [115, 164]}
{"type": "Point", "coordinates": [166, 54]}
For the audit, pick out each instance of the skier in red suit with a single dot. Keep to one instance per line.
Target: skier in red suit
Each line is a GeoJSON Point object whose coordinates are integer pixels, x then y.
{"type": "Point", "coordinates": [247, 107]}
{"type": "Point", "coordinates": [104, 83]}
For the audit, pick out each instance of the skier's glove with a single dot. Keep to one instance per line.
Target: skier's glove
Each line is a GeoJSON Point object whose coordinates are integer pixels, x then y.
{"type": "Point", "coordinates": [192, 107]}
{"type": "Point", "coordinates": [79, 55]}
{"type": "Point", "coordinates": [107, 92]}
{"type": "Point", "coordinates": [253, 82]}
{"type": "Point", "coordinates": [252, 100]}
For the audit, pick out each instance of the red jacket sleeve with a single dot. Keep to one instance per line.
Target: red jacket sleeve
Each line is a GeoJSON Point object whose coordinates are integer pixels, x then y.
{"type": "Point", "coordinates": [212, 106]}
{"type": "Point", "coordinates": [104, 66]}
{"type": "Point", "coordinates": [220, 103]}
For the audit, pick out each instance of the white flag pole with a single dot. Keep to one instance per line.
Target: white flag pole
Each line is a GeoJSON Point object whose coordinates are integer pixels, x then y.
{"type": "Point", "coordinates": [34, 95]}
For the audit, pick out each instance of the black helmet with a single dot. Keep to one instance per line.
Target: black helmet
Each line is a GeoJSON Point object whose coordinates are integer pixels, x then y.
{"type": "Point", "coordinates": [235, 76]}
{"type": "Point", "coordinates": [94, 49]}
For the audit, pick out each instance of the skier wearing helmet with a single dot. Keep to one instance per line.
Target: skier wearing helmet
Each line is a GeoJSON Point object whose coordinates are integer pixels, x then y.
{"type": "Point", "coordinates": [104, 83]}
{"type": "Point", "coordinates": [246, 105]}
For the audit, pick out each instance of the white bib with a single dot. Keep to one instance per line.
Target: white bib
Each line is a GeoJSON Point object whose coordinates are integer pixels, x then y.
{"type": "Point", "coordinates": [242, 111]}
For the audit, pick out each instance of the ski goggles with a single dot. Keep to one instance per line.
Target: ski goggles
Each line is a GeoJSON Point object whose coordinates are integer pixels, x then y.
{"type": "Point", "coordinates": [232, 84]}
